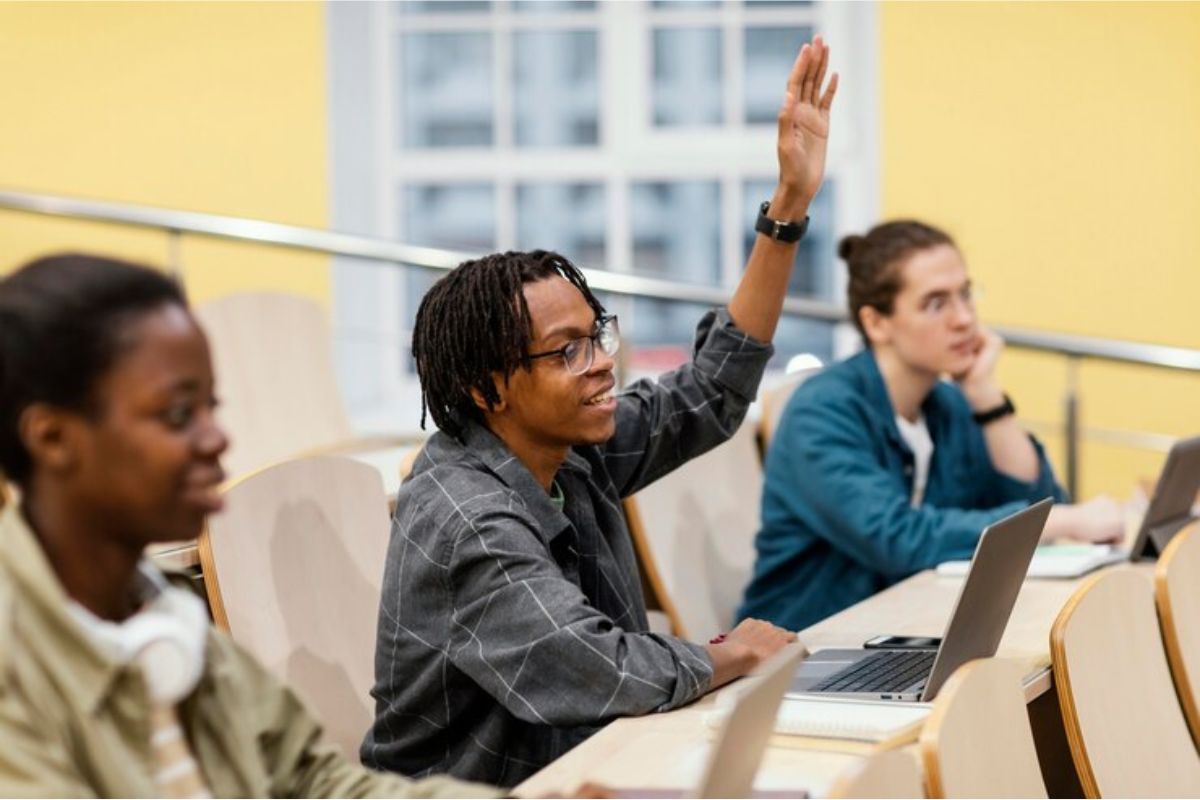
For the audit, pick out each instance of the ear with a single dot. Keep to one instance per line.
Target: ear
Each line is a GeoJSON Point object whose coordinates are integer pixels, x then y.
{"type": "Point", "coordinates": [497, 407]}
{"type": "Point", "coordinates": [49, 435]}
{"type": "Point", "coordinates": [877, 326]}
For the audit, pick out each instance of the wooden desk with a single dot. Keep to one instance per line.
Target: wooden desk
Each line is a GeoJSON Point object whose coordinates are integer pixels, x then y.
{"type": "Point", "coordinates": [667, 751]}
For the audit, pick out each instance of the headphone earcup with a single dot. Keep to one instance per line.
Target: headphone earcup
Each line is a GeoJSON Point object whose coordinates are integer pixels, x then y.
{"type": "Point", "coordinates": [167, 641]}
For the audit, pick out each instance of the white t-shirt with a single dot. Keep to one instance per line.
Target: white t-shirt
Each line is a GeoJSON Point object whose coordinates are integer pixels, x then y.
{"type": "Point", "coordinates": [916, 436]}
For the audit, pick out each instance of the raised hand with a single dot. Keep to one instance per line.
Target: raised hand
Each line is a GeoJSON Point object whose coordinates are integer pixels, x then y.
{"type": "Point", "coordinates": [804, 127]}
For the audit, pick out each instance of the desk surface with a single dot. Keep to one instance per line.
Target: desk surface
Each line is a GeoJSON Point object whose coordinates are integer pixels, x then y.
{"type": "Point", "coordinates": [667, 750]}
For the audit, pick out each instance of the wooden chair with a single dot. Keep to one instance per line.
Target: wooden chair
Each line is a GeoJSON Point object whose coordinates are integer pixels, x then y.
{"type": "Point", "coordinates": [977, 741]}
{"type": "Point", "coordinates": [1177, 592]}
{"type": "Point", "coordinates": [888, 773]}
{"type": "Point", "coordinates": [694, 534]}
{"type": "Point", "coordinates": [1126, 730]}
{"type": "Point", "coordinates": [274, 363]}
{"type": "Point", "coordinates": [293, 569]}
{"type": "Point", "coordinates": [774, 400]}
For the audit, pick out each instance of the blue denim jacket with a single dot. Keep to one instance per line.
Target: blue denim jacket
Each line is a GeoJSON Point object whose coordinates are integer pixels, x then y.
{"type": "Point", "coordinates": [837, 524]}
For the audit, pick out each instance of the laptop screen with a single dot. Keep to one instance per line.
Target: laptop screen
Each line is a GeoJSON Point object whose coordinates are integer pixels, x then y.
{"type": "Point", "coordinates": [989, 592]}
{"type": "Point", "coordinates": [1171, 506]}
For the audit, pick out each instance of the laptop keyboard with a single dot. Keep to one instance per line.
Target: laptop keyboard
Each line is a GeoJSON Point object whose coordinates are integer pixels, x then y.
{"type": "Point", "coordinates": [883, 671]}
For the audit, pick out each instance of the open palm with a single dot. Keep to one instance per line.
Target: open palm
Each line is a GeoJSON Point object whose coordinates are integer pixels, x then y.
{"type": "Point", "coordinates": [804, 120]}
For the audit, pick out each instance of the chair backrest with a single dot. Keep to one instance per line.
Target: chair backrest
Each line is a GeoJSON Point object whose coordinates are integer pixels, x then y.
{"type": "Point", "coordinates": [775, 400]}
{"type": "Point", "coordinates": [273, 355]}
{"type": "Point", "coordinates": [694, 532]}
{"type": "Point", "coordinates": [1177, 591]}
{"type": "Point", "coordinates": [293, 568]}
{"type": "Point", "coordinates": [977, 741]}
{"type": "Point", "coordinates": [1125, 728]}
{"type": "Point", "coordinates": [888, 773]}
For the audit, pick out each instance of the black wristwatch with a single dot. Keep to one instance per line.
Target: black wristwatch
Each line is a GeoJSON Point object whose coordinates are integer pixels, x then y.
{"type": "Point", "coordinates": [780, 230]}
{"type": "Point", "coordinates": [992, 414]}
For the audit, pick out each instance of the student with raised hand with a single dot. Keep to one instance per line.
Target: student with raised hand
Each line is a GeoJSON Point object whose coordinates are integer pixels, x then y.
{"type": "Point", "coordinates": [112, 681]}
{"type": "Point", "coordinates": [880, 467]}
{"type": "Point", "coordinates": [512, 621]}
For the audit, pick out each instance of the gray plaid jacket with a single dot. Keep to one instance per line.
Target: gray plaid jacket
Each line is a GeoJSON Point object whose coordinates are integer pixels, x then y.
{"type": "Point", "coordinates": [508, 630]}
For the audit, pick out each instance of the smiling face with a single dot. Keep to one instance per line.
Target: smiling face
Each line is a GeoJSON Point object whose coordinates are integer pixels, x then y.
{"type": "Point", "coordinates": [932, 328]}
{"type": "Point", "coordinates": [145, 464]}
{"type": "Point", "coordinates": [546, 408]}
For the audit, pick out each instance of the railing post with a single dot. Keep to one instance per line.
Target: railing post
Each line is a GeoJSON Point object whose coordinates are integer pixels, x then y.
{"type": "Point", "coordinates": [1071, 426]}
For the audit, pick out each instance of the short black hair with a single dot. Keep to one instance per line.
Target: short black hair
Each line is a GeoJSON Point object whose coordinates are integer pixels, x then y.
{"type": "Point", "coordinates": [61, 324]}
{"type": "Point", "coordinates": [474, 323]}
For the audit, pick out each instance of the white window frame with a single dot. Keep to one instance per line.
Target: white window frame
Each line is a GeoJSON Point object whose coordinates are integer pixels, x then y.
{"type": "Point", "coordinates": [369, 302]}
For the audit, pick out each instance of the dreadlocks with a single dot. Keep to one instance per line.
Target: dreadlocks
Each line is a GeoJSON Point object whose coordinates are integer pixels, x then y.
{"type": "Point", "coordinates": [474, 323]}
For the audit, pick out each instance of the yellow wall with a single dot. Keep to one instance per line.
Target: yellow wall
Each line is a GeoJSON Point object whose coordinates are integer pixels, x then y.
{"type": "Point", "coordinates": [1059, 143]}
{"type": "Point", "coordinates": [1056, 141]}
{"type": "Point", "coordinates": [215, 107]}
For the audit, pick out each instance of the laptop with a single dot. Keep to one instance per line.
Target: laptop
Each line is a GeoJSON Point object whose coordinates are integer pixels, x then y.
{"type": "Point", "coordinates": [980, 615]}
{"type": "Point", "coordinates": [742, 735]}
{"type": "Point", "coordinates": [1170, 509]}
{"type": "Point", "coordinates": [1173, 505]}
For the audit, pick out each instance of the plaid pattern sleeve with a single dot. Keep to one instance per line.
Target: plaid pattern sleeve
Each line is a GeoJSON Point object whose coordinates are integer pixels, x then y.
{"type": "Point", "coordinates": [510, 629]}
{"type": "Point", "coordinates": [665, 422]}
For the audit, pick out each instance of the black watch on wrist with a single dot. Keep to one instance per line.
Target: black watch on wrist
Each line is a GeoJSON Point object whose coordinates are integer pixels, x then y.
{"type": "Point", "coordinates": [992, 414]}
{"type": "Point", "coordinates": [779, 230]}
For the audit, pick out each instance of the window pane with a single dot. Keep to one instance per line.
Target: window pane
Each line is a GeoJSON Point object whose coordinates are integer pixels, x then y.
{"type": "Point", "coordinates": [812, 274]}
{"type": "Point", "coordinates": [446, 86]}
{"type": "Point", "coordinates": [442, 6]}
{"type": "Point", "coordinates": [677, 230]}
{"type": "Point", "coordinates": [556, 91]}
{"type": "Point", "coordinates": [455, 217]}
{"type": "Point", "coordinates": [544, 6]}
{"type": "Point", "coordinates": [566, 217]}
{"type": "Point", "coordinates": [795, 336]}
{"type": "Point", "coordinates": [660, 335]}
{"type": "Point", "coordinates": [770, 53]}
{"type": "Point", "coordinates": [687, 76]}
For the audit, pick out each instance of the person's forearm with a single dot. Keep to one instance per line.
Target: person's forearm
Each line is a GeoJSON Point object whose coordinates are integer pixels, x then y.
{"type": "Point", "coordinates": [1009, 447]}
{"type": "Point", "coordinates": [758, 300]}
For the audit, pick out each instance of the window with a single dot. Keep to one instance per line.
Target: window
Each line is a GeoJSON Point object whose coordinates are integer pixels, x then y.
{"type": "Point", "coordinates": [631, 136]}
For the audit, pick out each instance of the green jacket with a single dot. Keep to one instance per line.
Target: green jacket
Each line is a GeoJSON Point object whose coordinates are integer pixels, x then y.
{"type": "Point", "coordinates": [74, 723]}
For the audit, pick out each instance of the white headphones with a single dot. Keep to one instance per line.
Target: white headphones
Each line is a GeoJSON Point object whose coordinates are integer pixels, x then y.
{"type": "Point", "coordinates": [166, 638]}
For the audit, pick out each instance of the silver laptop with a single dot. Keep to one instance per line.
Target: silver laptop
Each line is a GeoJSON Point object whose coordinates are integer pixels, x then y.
{"type": "Point", "coordinates": [1172, 506]}
{"type": "Point", "coordinates": [980, 615]}
{"type": "Point", "coordinates": [1170, 509]}
{"type": "Point", "coordinates": [742, 735]}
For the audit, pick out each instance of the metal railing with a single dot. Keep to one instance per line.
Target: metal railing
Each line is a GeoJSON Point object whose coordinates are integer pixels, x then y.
{"type": "Point", "coordinates": [176, 223]}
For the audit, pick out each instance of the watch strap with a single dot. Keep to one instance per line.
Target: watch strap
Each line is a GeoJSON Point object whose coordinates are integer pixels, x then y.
{"type": "Point", "coordinates": [780, 230]}
{"type": "Point", "coordinates": [992, 414]}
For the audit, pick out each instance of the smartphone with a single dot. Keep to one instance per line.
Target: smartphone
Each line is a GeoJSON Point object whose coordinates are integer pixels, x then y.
{"type": "Point", "coordinates": [903, 643]}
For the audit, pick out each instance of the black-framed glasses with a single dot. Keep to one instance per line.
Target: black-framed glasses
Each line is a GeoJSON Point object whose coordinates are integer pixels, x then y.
{"type": "Point", "coordinates": [578, 355]}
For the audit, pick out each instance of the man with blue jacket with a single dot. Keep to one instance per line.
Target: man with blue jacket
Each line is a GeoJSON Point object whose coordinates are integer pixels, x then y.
{"type": "Point", "coordinates": [880, 467]}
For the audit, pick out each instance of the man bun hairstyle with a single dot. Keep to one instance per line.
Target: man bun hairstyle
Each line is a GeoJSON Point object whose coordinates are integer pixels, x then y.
{"type": "Point", "coordinates": [474, 324]}
{"type": "Point", "coordinates": [62, 325]}
{"type": "Point", "coordinates": [875, 263]}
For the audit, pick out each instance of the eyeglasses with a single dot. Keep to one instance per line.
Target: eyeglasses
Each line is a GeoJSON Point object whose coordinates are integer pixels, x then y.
{"type": "Point", "coordinates": [578, 355]}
